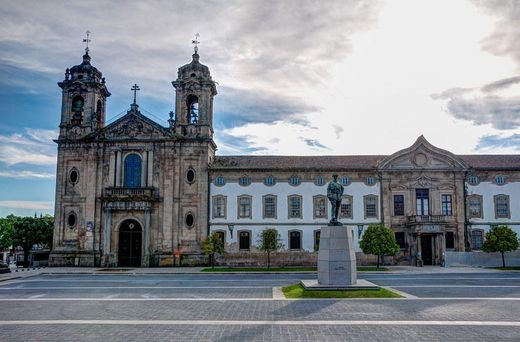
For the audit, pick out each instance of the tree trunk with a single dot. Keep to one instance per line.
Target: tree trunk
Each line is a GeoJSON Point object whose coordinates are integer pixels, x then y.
{"type": "Point", "coordinates": [25, 258]}
{"type": "Point", "coordinates": [503, 260]}
{"type": "Point", "coordinates": [268, 260]}
{"type": "Point", "coordinates": [212, 260]}
{"type": "Point", "coordinates": [377, 262]}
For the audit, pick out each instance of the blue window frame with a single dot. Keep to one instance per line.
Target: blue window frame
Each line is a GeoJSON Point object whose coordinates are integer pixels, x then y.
{"type": "Point", "coordinates": [133, 171]}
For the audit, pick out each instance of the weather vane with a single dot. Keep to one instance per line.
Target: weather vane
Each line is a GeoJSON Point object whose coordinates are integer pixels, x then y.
{"type": "Point", "coordinates": [135, 88]}
{"type": "Point", "coordinates": [87, 40]}
{"type": "Point", "coordinates": [196, 42]}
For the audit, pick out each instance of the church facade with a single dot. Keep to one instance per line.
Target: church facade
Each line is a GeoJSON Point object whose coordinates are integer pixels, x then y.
{"type": "Point", "coordinates": [135, 193]}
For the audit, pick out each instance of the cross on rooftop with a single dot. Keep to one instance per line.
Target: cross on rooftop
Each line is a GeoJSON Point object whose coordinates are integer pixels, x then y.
{"type": "Point", "coordinates": [135, 88]}
{"type": "Point", "coordinates": [87, 40]}
{"type": "Point", "coordinates": [196, 42]}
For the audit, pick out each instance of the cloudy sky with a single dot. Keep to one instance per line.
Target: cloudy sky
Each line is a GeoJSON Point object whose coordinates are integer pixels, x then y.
{"type": "Point", "coordinates": [295, 77]}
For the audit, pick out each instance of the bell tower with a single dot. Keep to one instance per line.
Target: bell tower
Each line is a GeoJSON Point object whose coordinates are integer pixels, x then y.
{"type": "Point", "coordinates": [195, 90]}
{"type": "Point", "coordinates": [84, 95]}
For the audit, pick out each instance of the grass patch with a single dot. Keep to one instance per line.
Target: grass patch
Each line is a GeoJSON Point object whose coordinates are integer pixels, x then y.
{"type": "Point", "coordinates": [285, 269]}
{"type": "Point", "coordinates": [298, 291]}
{"type": "Point", "coordinates": [507, 268]}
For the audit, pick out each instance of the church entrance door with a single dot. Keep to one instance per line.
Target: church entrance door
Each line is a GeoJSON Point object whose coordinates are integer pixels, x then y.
{"type": "Point", "coordinates": [130, 244]}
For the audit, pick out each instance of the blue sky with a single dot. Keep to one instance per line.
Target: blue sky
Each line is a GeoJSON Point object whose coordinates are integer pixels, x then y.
{"type": "Point", "coordinates": [295, 77]}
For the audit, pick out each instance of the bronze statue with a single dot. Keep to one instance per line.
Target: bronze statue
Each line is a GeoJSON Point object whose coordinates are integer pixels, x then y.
{"type": "Point", "coordinates": [334, 193]}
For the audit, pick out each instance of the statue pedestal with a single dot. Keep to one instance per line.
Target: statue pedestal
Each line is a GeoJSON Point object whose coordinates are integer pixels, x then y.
{"type": "Point", "coordinates": [336, 257]}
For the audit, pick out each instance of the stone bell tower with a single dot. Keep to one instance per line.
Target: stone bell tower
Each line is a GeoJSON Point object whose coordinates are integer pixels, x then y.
{"type": "Point", "coordinates": [195, 90]}
{"type": "Point", "coordinates": [84, 97]}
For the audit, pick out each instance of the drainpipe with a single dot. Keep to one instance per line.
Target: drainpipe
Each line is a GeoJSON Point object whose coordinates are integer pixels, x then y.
{"type": "Point", "coordinates": [466, 234]}
{"type": "Point", "coordinates": [381, 210]}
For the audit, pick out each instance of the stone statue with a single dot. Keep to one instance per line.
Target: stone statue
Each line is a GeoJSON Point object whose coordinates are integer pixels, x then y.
{"type": "Point", "coordinates": [334, 193]}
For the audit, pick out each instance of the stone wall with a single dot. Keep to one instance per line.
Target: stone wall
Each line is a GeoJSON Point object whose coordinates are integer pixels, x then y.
{"type": "Point", "coordinates": [482, 259]}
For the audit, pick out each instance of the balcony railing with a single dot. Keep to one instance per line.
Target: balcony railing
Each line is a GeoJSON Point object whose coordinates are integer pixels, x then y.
{"type": "Point", "coordinates": [130, 193]}
{"type": "Point", "coordinates": [414, 219]}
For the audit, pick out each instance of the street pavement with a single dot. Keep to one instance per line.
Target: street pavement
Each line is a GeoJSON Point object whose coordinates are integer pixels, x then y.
{"type": "Point", "coordinates": [476, 305]}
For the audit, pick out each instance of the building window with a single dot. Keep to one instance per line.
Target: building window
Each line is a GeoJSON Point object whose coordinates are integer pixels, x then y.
{"type": "Point", "coordinates": [422, 197]}
{"type": "Point", "coordinates": [446, 205]}
{"type": "Point", "coordinates": [317, 234]}
{"type": "Point", "coordinates": [220, 181]}
{"type": "Point", "coordinates": [269, 181]}
{"type": "Point", "coordinates": [192, 112]}
{"type": "Point", "coordinates": [344, 180]}
{"type": "Point", "coordinates": [244, 240]}
{"type": "Point", "coordinates": [500, 180]}
{"type": "Point", "coordinates": [319, 181]}
{"type": "Point", "coordinates": [320, 206]}
{"type": "Point", "coordinates": [74, 176]}
{"type": "Point", "coordinates": [371, 181]}
{"type": "Point", "coordinates": [475, 206]}
{"type": "Point", "coordinates": [133, 171]}
{"type": "Point", "coordinates": [295, 239]}
{"type": "Point", "coordinates": [450, 240]}
{"type": "Point", "coordinates": [244, 206]}
{"type": "Point", "coordinates": [71, 220]}
{"type": "Point", "coordinates": [219, 206]}
{"type": "Point", "coordinates": [294, 180]}
{"type": "Point", "coordinates": [190, 220]}
{"type": "Point", "coordinates": [473, 180]}
{"type": "Point", "coordinates": [295, 206]}
{"type": "Point", "coordinates": [345, 209]}
{"type": "Point", "coordinates": [222, 237]}
{"type": "Point", "coordinates": [398, 205]}
{"type": "Point", "coordinates": [244, 181]}
{"type": "Point", "coordinates": [477, 239]}
{"type": "Point", "coordinates": [370, 206]}
{"type": "Point", "coordinates": [399, 238]}
{"type": "Point", "coordinates": [190, 176]}
{"type": "Point", "coordinates": [501, 206]}
{"type": "Point", "coordinates": [269, 206]}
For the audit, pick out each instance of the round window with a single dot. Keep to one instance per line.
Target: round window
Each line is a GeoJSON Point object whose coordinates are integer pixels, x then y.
{"type": "Point", "coordinates": [74, 176]}
{"type": "Point", "coordinates": [71, 220]}
{"type": "Point", "coordinates": [190, 175]}
{"type": "Point", "coordinates": [190, 220]}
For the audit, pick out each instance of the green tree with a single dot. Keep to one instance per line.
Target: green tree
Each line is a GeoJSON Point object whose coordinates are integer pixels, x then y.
{"type": "Point", "coordinates": [7, 231]}
{"type": "Point", "coordinates": [30, 231]}
{"type": "Point", "coordinates": [379, 240]}
{"type": "Point", "coordinates": [269, 241]}
{"type": "Point", "coordinates": [213, 245]}
{"type": "Point", "coordinates": [500, 239]}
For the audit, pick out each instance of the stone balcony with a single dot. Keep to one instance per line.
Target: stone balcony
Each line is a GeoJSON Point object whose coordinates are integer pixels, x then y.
{"type": "Point", "coordinates": [427, 219]}
{"type": "Point", "coordinates": [130, 194]}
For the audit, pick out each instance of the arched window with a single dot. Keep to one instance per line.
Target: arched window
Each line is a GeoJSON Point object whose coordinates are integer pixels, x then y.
{"type": "Point", "coordinates": [133, 171]}
{"type": "Point", "coordinates": [192, 106]}
{"type": "Point", "coordinates": [77, 109]}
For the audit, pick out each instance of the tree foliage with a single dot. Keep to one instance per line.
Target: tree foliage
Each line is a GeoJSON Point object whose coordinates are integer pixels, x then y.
{"type": "Point", "coordinates": [211, 246]}
{"type": "Point", "coordinates": [30, 231]}
{"type": "Point", "coordinates": [7, 231]}
{"type": "Point", "coordinates": [269, 241]}
{"type": "Point", "coordinates": [379, 240]}
{"type": "Point", "coordinates": [500, 239]}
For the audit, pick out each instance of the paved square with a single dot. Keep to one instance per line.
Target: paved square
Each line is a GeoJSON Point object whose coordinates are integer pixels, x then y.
{"type": "Point", "coordinates": [236, 307]}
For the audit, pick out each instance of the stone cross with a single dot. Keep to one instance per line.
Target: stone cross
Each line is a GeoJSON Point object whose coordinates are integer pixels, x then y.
{"type": "Point", "coordinates": [196, 42]}
{"type": "Point", "coordinates": [135, 88]}
{"type": "Point", "coordinates": [87, 40]}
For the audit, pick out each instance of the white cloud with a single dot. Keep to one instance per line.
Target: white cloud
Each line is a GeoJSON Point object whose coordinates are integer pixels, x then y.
{"type": "Point", "coordinates": [26, 174]}
{"type": "Point", "coordinates": [33, 147]}
{"type": "Point", "coordinates": [34, 205]}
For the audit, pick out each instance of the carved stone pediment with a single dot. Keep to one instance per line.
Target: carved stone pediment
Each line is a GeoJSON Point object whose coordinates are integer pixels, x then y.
{"type": "Point", "coordinates": [133, 126]}
{"type": "Point", "coordinates": [423, 156]}
{"type": "Point", "coordinates": [422, 181]}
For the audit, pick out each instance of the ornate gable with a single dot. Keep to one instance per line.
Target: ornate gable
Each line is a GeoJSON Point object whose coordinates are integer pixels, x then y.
{"type": "Point", "coordinates": [422, 156]}
{"type": "Point", "coordinates": [133, 125]}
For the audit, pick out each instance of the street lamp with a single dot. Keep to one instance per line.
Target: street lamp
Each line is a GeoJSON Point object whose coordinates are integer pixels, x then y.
{"type": "Point", "coordinates": [230, 228]}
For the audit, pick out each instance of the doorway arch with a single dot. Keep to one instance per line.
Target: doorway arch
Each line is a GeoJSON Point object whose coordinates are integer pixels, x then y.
{"type": "Point", "coordinates": [130, 244]}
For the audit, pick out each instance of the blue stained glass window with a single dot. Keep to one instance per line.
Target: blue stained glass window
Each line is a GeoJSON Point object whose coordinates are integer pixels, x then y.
{"type": "Point", "coordinates": [133, 171]}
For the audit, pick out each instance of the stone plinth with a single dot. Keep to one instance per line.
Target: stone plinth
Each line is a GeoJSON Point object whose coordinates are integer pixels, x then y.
{"type": "Point", "coordinates": [336, 257]}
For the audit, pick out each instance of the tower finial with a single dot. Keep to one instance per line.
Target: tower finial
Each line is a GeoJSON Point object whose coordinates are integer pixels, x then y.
{"type": "Point", "coordinates": [135, 88]}
{"type": "Point", "coordinates": [196, 43]}
{"type": "Point", "coordinates": [86, 41]}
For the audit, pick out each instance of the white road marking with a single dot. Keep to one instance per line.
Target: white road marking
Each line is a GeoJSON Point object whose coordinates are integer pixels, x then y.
{"type": "Point", "coordinates": [133, 287]}
{"type": "Point", "coordinates": [278, 293]}
{"type": "Point", "coordinates": [404, 294]}
{"type": "Point", "coordinates": [443, 278]}
{"type": "Point", "coordinates": [111, 298]}
{"type": "Point", "coordinates": [262, 322]}
{"type": "Point", "coordinates": [450, 286]}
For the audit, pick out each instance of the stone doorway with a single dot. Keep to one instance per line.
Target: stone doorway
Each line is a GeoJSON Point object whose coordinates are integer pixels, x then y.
{"type": "Point", "coordinates": [427, 249]}
{"type": "Point", "coordinates": [130, 244]}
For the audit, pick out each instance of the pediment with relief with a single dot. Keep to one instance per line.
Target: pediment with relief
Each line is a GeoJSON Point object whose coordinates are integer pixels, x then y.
{"type": "Point", "coordinates": [133, 126]}
{"type": "Point", "coordinates": [422, 155]}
